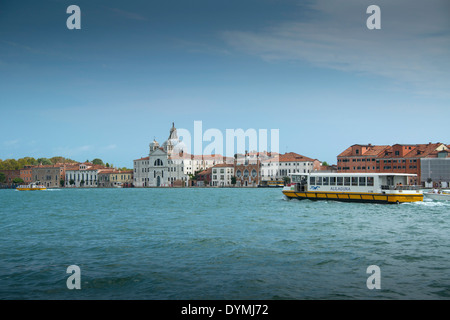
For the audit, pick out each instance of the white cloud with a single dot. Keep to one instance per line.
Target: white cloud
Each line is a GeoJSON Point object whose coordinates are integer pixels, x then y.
{"type": "Point", "coordinates": [412, 48]}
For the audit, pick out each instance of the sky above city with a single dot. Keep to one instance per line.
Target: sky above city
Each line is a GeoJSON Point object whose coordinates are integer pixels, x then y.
{"type": "Point", "coordinates": [311, 69]}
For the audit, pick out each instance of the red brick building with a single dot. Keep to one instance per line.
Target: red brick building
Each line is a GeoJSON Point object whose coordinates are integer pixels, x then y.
{"type": "Point", "coordinates": [247, 170]}
{"type": "Point", "coordinates": [204, 178]}
{"type": "Point", "coordinates": [10, 175]}
{"type": "Point", "coordinates": [398, 158]}
{"type": "Point", "coordinates": [360, 158]}
{"type": "Point", "coordinates": [26, 174]}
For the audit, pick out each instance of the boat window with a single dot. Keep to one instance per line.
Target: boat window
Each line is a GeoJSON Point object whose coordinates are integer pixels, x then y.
{"type": "Point", "coordinates": [332, 181]}
{"type": "Point", "coordinates": [362, 181]}
{"type": "Point", "coordinates": [340, 181]}
{"type": "Point", "coordinates": [325, 181]}
{"type": "Point", "coordinates": [354, 181]}
{"type": "Point", "coordinates": [312, 181]}
{"type": "Point", "coordinates": [319, 181]}
{"type": "Point", "coordinates": [370, 181]}
{"type": "Point", "coordinates": [346, 181]}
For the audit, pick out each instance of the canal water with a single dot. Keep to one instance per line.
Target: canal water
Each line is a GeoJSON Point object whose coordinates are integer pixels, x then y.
{"type": "Point", "coordinates": [225, 243]}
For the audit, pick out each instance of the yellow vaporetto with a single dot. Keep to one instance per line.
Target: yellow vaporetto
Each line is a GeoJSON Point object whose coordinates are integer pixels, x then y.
{"type": "Point", "coordinates": [31, 187]}
{"type": "Point", "coordinates": [353, 187]}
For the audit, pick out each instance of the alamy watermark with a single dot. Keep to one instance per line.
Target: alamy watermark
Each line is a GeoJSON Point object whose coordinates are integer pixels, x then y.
{"type": "Point", "coordinates": [74, 281]}
{"type": "Point", "coordinates": [374, 280]}
{"type": "Point", "coordinates": [74, 20]}
{"type": "Point", "coordinates": [234, 142]}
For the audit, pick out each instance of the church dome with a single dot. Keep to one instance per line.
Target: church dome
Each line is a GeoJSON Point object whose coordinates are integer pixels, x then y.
{"type": "Point", "coordinates": [173, 140]}
{"type": "Point", "coordinates": [154, 145]}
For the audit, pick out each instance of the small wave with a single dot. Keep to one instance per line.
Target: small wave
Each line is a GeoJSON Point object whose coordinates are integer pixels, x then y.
{"type": "Point", "coordinates": [429, 203]}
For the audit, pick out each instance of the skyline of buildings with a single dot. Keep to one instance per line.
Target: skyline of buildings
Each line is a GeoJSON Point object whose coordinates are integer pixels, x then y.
{"type": "Point", "coordinates": [167, 165]}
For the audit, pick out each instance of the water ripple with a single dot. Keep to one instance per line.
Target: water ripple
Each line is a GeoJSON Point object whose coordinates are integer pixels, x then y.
{"type": "Point", "coordinates": [218, 244]}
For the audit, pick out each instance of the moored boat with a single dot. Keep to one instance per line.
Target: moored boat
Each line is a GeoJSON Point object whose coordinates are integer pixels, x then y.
{"type": "Point", "coordinates": [353, 187]}
{"type": "Point", "coordinates": [31, 187]}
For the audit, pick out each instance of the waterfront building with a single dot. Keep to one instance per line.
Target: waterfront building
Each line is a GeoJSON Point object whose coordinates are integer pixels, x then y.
{"type": "Point", "coordinates": [26, 174]}
{"type": "Point", "coordinates": [435, 169]}
{"type": "Point", "coordinates": [169, 165]}
{"type": "Point", "coordinates": [140, 172]}
{"type": "Point", "coordinates": [162, 168]}
{"type": "Point", "coordinates": [247, 170]}
{"type": "Point", "coordinates": [278, 168]}
{"type": "Point", "coordinates": [158, 168]}
{"type": "Point", "coordinates": [398, 158]}
{"type": "Point", "coordinates": [360, 158]}
{"type": "Point", "coordinates": [10, 175]}
{"type": "Point", "coordinates": [82, 175]}
{"type": "Point", "coordinates": [48, 175]}
{"type": "Point", "coordinates": [221, 175]}
{"type": "Point", "coordinates": [112, 178]}
{"type": "Point", "coordinates": [204, 178]}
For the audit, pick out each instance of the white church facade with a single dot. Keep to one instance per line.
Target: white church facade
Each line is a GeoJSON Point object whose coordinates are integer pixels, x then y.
{"type": "Point", "coordinates": [168, 165]}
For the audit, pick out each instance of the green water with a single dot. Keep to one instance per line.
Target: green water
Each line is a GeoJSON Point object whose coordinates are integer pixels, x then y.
{"type": "Point", "coordinates": [218, 244]}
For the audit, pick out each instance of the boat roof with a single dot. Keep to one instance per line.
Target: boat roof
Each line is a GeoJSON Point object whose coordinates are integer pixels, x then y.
{"type": "Point", "coordinates": [353, 174]}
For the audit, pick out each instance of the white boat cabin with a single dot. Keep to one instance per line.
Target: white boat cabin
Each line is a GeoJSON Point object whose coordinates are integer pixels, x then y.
{"type": "Point", "coordinates": [382, 183]}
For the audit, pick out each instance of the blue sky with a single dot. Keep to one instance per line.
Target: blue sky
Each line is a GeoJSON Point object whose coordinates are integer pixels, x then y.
{"type": "Point", "coordinates": [311, 69]}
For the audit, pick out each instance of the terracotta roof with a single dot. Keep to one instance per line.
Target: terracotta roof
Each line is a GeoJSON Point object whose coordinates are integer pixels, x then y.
{"type": "Point", "coordinates": [204, 172]}
{"type": "Point", "coordinates": [423, 150]}
{"type": "Point", "coordinates": [145, 158]}
{"type": "Point", "coordinates": [293, 157]}
{"type": "Point", "coordinates": [124, 171]}
{"type": "Point", "coordinates": [253, 154]}
{"type": "Point", "coordinates": [47, 166]}
{"type": "Point", "coordinates": [106, 171]}
{"type": "Point", "coordinates": [89, 166]}
{"type": "Point", "coordinates": [417, 150]}
{"type": "Point", "coordinates": [72, 167]}
{"type": "Point", "coordinates": [386, 151]}
{"type": "Point", "coordinates": [372, 150]}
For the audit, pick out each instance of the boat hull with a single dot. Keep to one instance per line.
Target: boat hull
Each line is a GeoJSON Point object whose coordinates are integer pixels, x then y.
{"type": "Point", "coordinates": [354, 197]}
{"type": "Point", "coordinates": [31, 189]}
{"type": "Point", "coordinates": [438, 196]}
